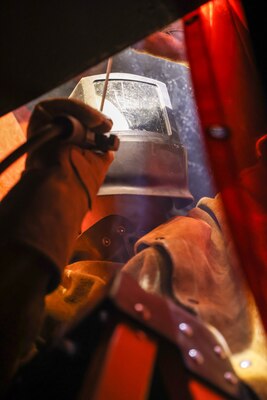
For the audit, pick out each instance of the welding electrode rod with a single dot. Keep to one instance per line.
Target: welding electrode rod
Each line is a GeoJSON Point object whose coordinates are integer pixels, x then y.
{"type": "Point", "coordinates": [109, 65]}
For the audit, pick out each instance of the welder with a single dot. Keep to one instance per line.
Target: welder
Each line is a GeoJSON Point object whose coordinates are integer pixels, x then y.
{"type": "Point", "coordinates": [190, 259]}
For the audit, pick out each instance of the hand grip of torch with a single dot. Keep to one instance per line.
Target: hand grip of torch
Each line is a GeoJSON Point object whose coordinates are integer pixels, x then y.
{"type": "Point", "coordinates": [74, 132]}
{"type": "Point", "coordinates": [69, 130]}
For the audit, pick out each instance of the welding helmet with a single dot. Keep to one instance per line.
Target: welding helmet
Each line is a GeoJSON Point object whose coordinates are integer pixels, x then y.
{"type": "Point", "coordinates": [151, 160]}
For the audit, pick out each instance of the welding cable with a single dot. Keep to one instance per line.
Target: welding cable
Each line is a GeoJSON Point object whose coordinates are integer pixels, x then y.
{"type": "Point", "coordinates": [69, 130]}
{"type": "Point", "coordinates": [43, 136]}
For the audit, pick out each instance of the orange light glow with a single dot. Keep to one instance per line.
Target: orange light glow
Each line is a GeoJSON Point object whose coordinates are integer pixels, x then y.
{"type": "Point", "coordinates": [11, 136]}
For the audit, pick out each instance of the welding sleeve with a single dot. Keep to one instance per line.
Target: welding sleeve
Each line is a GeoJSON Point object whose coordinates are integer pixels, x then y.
{"type": "Point", "coordinates": [44, 210]}
{"type": "Point", "coordinates": [39, 221]}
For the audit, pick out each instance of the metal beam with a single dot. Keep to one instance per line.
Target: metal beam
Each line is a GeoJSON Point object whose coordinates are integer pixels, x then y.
{"type": "Point", "coordinates": [44, 44]}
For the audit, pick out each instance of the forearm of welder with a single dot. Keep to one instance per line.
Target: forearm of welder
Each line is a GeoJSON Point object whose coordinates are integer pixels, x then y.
{"type": "Point", "coordinates": [39, 221]}
{"type": "Point", "coordinates": [23, 284]}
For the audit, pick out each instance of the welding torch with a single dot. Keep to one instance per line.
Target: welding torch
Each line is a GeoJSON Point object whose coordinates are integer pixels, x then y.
{"type": "Point", "coordinates": [67, 129]}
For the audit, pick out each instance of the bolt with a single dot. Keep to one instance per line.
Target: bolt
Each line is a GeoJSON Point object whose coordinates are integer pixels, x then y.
{"type": "Point", "coordinates": [121, 230]}
{"type": "Point", "coordinates": [231, 378]}
{"type": "Point", "coordinates": [218, 350]}
{"type": "Point", "coordinates": [218, 132]}
{"type": "Point", "coordinates": [245, 364]}
{"type": "Point", "coordinates": [196, 356]}
{"type": "Point", "coordinates": [186, 329]}
{"type": "Point", "coordinates": [143, 311]}
{"type": "Point", "coordinates": [106, 241]}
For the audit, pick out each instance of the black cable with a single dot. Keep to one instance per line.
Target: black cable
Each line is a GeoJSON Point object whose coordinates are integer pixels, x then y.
{"type": "Point", "coordinates": [49, 132]}
{"type": "Point", "coordinates": [70, 130]}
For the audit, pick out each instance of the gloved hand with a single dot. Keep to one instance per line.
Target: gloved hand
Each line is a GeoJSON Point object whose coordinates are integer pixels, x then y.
{"type": "Point", "coordinates": [45, 209]}
{"type": "Point", "coordinates": [89, 167]}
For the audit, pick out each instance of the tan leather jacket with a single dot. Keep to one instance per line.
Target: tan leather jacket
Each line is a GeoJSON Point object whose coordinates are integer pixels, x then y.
{"type": "Point", "coordinates": [192, 260]}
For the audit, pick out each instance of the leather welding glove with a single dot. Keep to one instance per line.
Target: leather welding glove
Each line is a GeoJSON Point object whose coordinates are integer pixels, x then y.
{"type": "Point", "coordinates": [44, 210]}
